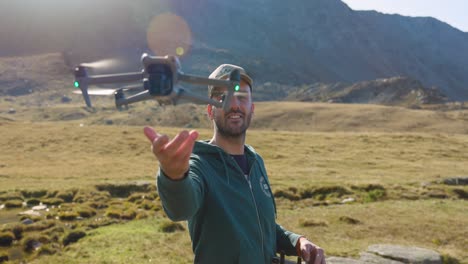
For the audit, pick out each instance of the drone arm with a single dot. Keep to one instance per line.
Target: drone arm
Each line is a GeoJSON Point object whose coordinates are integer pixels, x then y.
{"type": "Point", "coordinates": [183, 93]}
{"type": "Point", "coordinates": [141, 96]}
{"type": "Point", "coordinates": [204, 81]}
{"type": "Point", "coordinates": [113, 78]}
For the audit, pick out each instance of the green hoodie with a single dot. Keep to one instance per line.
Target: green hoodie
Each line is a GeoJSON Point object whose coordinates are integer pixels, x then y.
{"type": "Point", "coordinates": [231, 219]}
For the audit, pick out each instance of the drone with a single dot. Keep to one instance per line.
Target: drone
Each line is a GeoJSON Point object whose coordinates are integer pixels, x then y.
{"type": "Point", "coordinates": [160, 78]}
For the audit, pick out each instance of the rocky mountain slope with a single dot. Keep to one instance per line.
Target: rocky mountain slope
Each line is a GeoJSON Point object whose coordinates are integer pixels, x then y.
{"type": "Point", "coordinates": [400, 91]}
{"type": "Point", "coordinates": [285, 43]}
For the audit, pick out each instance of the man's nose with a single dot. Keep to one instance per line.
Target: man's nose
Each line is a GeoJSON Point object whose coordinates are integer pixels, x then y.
{"type": "Point", "coordinates": [235, 103]}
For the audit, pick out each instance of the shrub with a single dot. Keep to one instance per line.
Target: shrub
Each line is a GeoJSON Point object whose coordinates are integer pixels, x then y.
{"type": "Point", "coordinates": [368, 187]}
{"type": "Point", "coordinates": [128, 215]}
{"type": "Point", "coordinates": [374, 195]}
{"type": "Point", "coordinates": [46, 250]}
{"type": "Point", "coordinates": [446, 259]}
{"type": "Point", "coordinates": [52, 201]}
{"type": "Point", "coordinates": [114, 213]}
{"type": "Point", "coordinates": [34, 241]}
{"type": "Point", "coordinates": [306, 223]}
{"type": "Point", "coordinates": [14, 204]}
{"type": "Point", "coordinates": [11, 196]}
{"type": "Point", "coordinates": [73, 237]}
{"type": "Point", "coordinates": [462, 194]}
{"type": "Point", "coordinates": [286, 194]}
{"type": "Point", "coordinates": [4, 257]}
{"type": "Point", "coordinates": [150, 205]}
{"type": "Point", "coordinates": [68, 215]}
{"type": "Point", "coordinates": [51, 194]}
{"type": "Point", "coordinates": [39, 226]}
{"type": "Point", "coordinates": [33, 193]}
{"type": "Point", "coordinates": [170, 227]}
{"type": "Point", "coordinates": [6, 238]}
{"type": "Point", "coordinates": [33, 201]}
{"type": "Point", "coordinates": [323, 192]}
{"type": "Point", "coordinates": [66, 196]}
{"type": "Point", "coordinates": [97, 205]}
{"type": "Point", "coordinates": [18, 231]}
{"type": "Point", "coordinates": [86, 211]}
{"type": "Point", "coordinates": [349, 220]}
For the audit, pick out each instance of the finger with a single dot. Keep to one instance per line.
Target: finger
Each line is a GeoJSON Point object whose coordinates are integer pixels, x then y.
{"type": "Point", "coordinates": [306, 256]}
{"type": "Point", "coordinates": [176, 142]}
{"type": "Point", "coordinates": [150, 133]}
{"type": "Point", "coordinates": [187, 146]}
{"type": "Point", "coordinates": [159, 144]}
{"type": "Point", "coordinates": [319, 256]}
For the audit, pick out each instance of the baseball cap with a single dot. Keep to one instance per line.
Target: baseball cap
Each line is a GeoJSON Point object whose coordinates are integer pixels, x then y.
{"type": "Point", "coordinates": [224, 70]}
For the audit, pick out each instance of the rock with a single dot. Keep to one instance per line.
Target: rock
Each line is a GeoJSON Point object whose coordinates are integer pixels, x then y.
{"type": "Point", "coordinates": [348, 200]}
{"type": "Point", "coordinates": [414, 255]}
{"type": "Point", "coordinates": [11, 111]}
{"type": "Point", "coordinates": [27, 221]}
{"type": "Point", "coordinates": [39, 207]}
{"type": "Point", "coordinates": [456, 181]}
{"type": "Point", "coordinates": [369, 258]}
{"type": "Point", "coordinates": [65, 99]}
{"type": "Point", "coordinates": [339, 260]}
{"type": "Point", "coordinates": [30, 213]}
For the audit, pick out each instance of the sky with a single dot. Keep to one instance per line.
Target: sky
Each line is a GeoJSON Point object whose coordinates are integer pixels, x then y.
{"type": "Point", "coordinates": [453, 12]}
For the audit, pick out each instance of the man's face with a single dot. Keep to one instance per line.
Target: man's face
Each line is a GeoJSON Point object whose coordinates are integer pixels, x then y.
{"type": "Point", "coordinates": [234, 122]}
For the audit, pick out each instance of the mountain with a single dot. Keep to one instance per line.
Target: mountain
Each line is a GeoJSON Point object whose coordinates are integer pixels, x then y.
{"type": "Point", "coordinates": [401, 91]}
{"type": "Point", "coordinates": [282, 42]}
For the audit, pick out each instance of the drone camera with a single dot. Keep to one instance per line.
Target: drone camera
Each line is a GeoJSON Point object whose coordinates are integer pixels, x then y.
{"type": "Point", "coordinates": [160, 79]}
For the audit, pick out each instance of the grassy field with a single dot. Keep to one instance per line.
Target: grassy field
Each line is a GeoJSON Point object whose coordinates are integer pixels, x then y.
{"type": "Point", "coordinates": [393, 172]}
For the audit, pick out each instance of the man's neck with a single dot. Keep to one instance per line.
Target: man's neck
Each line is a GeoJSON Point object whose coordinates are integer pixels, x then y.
{"type": "Point", "coordinates": [233, 146]}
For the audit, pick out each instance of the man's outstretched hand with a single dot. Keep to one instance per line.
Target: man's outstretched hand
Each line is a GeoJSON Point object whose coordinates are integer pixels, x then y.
{"type": "Point", "coordinates": [173, 155]}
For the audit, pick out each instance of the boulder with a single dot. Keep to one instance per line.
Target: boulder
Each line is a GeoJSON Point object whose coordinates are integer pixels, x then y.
{"type": "Point", "coordinates": [403, 254]}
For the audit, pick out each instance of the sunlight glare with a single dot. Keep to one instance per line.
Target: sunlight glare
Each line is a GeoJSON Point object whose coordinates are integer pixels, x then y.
{"type": "Point", "coordinates": [169, 34]}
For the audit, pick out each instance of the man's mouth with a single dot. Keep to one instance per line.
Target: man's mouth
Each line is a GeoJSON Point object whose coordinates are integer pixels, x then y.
{"type": "Point", "coordinates": [234, 116]}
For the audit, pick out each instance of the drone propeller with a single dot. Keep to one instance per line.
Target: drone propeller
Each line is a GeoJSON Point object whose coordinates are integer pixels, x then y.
{"type": "Point", "coordinates": [111, 91]}
{"type": "Point", "coordinates": [103, 65]}
{"type": "Point", "coordinates": [97, 91]}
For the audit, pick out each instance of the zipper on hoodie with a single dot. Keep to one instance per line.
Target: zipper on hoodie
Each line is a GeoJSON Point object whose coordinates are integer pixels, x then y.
{"type": "Point", "coordinates": [253, 198]}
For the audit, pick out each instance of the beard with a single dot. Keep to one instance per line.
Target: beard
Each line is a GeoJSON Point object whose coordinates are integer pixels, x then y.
{"type": "Point", "coordinates": [227, 130]}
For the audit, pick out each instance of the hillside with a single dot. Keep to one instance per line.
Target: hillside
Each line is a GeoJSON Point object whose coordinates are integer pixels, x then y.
{"type": "Point", "coordinates": [39, 88]}
{"type": "Point", "coordinates": [285, 43]}
{"type": "Point", "coordinates": [398, 91]}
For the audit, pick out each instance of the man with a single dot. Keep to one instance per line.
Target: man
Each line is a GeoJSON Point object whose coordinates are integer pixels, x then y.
{"type": "Point", "coordinates": [221, 187]}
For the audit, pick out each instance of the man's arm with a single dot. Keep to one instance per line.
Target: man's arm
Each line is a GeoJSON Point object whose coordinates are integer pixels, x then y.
{"type": "Point", "coordinates": [181, 199]}
{"type": "Point", "coordinates": [286, 241]}
{"type": "Point", "coordinates": [179, 188]}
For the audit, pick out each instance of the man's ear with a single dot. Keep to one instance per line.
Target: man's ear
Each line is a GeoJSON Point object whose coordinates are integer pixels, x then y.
{"type": "Point", "coordinates": [209, 111]}
{"type": "Point", "coordinates": [253, 108]}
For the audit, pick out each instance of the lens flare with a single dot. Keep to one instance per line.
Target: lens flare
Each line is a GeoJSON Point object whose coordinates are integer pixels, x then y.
{"type": "Point", "coordinates": [169, 34]}
{"type": "Point", "coordinates": [180, 51]}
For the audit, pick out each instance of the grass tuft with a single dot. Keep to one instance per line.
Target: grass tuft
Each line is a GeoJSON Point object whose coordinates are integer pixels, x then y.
{"type": "Point", "coordinates": [461, 194]}
{"type": "Point", "coordinates": [6, 239]}
{"type": "Point", "coordinates": [311, 222]}
{"type": "Point", "coordinates": [349, 220]}
{"type": "Point", "coordinates": [73, 236]}
{"type": "Point", "coordinates": [14, 204]}
{"type": "Point", "coordinates": [374, 195]}
{"type": "Point", "coordinates": [168, 226]}
{"type": "Point", "coordinates": [34, 193]}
